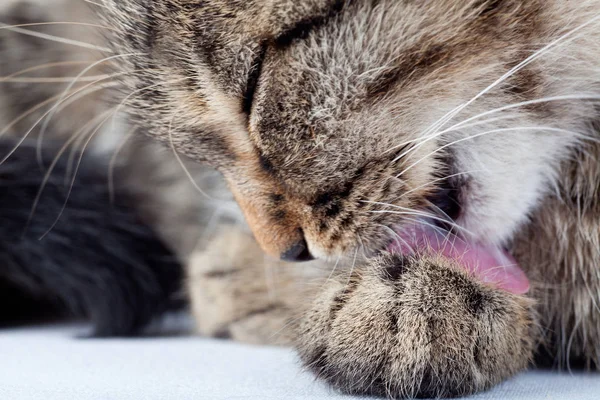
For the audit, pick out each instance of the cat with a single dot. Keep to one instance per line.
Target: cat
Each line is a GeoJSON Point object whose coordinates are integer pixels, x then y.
{"type": "Point", "coordinates": [350, 127]}
{"type": "Point", "coordinates": [434, 163]}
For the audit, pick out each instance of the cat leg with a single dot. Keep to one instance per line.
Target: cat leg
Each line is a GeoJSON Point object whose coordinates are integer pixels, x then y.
{"type": "Point", "coordinates": [238, 292]}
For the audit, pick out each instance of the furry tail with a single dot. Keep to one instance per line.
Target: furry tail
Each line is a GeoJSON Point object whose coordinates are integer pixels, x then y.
{"type": "Point", "coordinates": [78, 250]}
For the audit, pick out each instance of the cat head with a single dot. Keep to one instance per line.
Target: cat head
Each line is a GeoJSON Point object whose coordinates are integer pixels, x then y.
{"type": "Point", "coordinates": [336, 123]}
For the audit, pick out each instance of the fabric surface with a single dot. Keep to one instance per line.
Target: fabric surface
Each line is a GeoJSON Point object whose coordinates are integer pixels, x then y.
{"type": "Point", "coordinates": [58, 363]}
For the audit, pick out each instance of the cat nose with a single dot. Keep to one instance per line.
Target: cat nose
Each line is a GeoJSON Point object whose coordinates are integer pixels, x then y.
{"type": "Point", "coordinates": [298, 252]}
{"type": "Point", "coordinates": [277, 227]}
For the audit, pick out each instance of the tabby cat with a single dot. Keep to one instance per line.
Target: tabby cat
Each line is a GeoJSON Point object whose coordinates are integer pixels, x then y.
{"type": "Point", "coordinates": [438, 159]}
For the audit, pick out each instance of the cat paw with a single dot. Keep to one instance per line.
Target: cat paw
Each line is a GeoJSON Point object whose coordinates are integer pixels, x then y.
{"type": "Point", "coordinates": [405, 327]}
{"type": "Point", "coordinates": [237, 293]}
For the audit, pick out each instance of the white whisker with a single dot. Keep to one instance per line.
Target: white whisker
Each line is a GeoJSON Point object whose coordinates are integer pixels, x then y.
{"type": "Point", "coordinates": [396, 236]}
{"type": "Point", "coordinates": [534, 128]}
{"type": "Point", "coordinates": [433, 182]}
{"type": "Point", "coordinates": [70, 190]}
{"type": "Point", "coordinates": [407, 211]}
{"type": "Point", "coordinates": [332, 271]}
{"type": "Point", "coordinates": [137, 91]}
{"type": "Point", "coordinates": [51, 79]}
{"type": "Point", "coordinates": [571, 35]}
{"type": "Point", "coordinates": [524, 104]}
{"type": "Point", "coordinates": [55, 161]}
{"type": "Point", "coordinates": [180, 161]}
{"type": "Point", "coordinates": [465, 123]}
{"type": "Point", "coordinates": [70, 86]}
{"type": "Point", "coordinates": [67, 102]}
{"type": "Point", "coordinates": [353, 264]}
{"type": "Point", "coordinates": [35, 108]}
{"type": "Point", "coordinates": [54, 38]}
{"type": "Point", "coordinates": [94, 3]}
{"type": "Point", "coordinates": [31, 24]}
{"type": "Point", "coordinates": [559, 41]}
{"type": "Point", "coordinates": [42, 66]}
{"type": "Point", "coordinates": [417, 140]}
{"type": "Point", "coordinates": [446, 234]}
{"type": "Point", "coordinates": [113, 161]}
{"type": "Point", "coordinates": [24, 137]}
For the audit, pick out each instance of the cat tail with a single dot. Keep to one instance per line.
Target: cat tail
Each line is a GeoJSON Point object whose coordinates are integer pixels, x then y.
{"type": "Point", "coordinates": [68, 245]}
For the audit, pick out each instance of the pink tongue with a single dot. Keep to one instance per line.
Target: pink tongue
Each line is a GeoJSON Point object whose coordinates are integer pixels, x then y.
{"type": "Point", "coordinates": [489, 264]}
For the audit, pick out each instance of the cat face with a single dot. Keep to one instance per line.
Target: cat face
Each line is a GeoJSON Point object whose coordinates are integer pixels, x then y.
{"type": "Point", "coordinates": [338, 123]}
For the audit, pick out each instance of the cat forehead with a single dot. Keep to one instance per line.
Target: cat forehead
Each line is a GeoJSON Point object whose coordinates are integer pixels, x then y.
{"type": "Point", "coordinates": [369, 44]}
{"type": "Point", "coordinates": [330, 92]}
{"type": "Point", "coordinates": [332, 71]}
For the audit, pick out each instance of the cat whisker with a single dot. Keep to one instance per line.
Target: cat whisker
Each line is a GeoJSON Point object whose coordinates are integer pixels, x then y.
{"type": "Point", "coordinates": [64, 102]}
{"type": "Point", "coordinates": [46, 123]}
{"type": "Point", "coordinates": [465, 123]}
{"type": "Point", "coordinates": [41, 67]}
{"type": "Point", "coordinates": [82, 73]}
{"type": "Point", "coordinates": [419, 221]}
{"type": "Point", "coordinates": [180, 161]}
{"type": "Point", "coordinates": [118, 13]}
{"type": "Point", "coordinates": [95, 3]}
{"type": "Point", "coordinates": [353, 262]}
{"type": "Point", "coordinates": [417, 140]}
{"type": "Point", "coordinates": [434, 181]}
{"type": "Point", "coordinates": [339, 257]}
{"type": "Point", "coordinates": [32, 24]}
{"type": "Point", "coordinates": [113, 160]}
{"type": "Point", "coordinates": [408, 211]}
{"type": "Point", "coordinates": [54, 38]}
{"type": "Point", "coordinates": [446, 234]}
{"type": "Point", "coordinates": [590, 97]}
{"type": "Point", "coordinates": [438, 210]}
{"type": "Point", "coordinates": [563, 39]}
{"type": "Point", "coordinates": [52, 79]}
{"type": "Point", "coordinates": [71, 158]}
{"type": "Point", "coordinates": [82, 131]}
{"type": "Point", "coordinates": [138, 91]}
{"type": "Point", "coordinates": [579, 135]}
{"type": "Point", "coordinates": [37, 107]}
{"type": "Point", "coordinates": [70, 190]}
{"type": "Point", "coordinates": [26, 135]}
{"type": "Point", "coordinates": [397, 237]}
